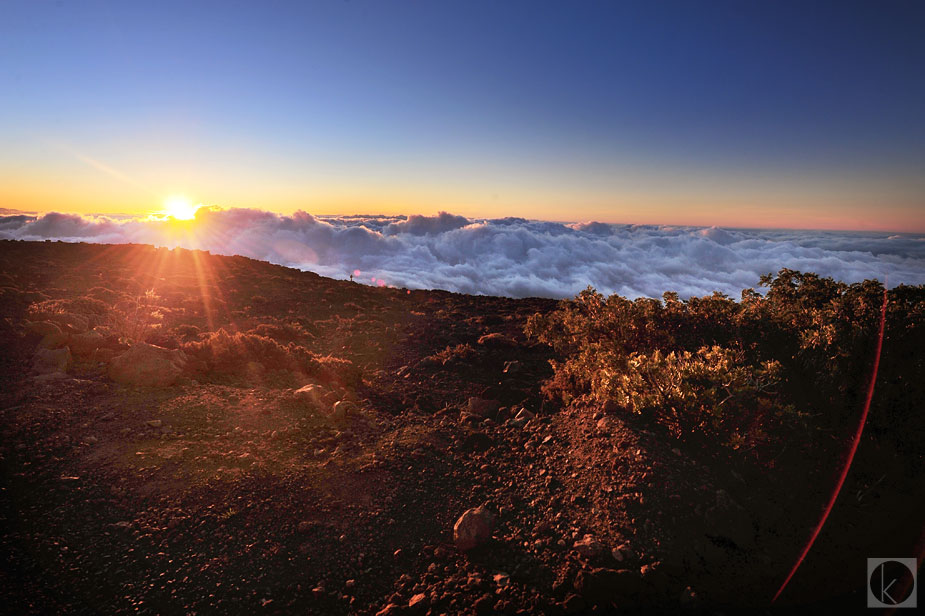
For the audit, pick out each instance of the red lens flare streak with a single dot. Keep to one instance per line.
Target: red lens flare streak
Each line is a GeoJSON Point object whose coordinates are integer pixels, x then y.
{"type": "Point", "coordinates": [854, 448]}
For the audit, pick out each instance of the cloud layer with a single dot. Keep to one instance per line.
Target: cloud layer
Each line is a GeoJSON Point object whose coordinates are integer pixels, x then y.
{"type": "Point", "coordinates": [508, 256]}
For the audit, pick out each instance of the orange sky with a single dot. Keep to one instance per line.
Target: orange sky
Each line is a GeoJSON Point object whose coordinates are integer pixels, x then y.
{"type": "Point", "coordinates": [89, 185]}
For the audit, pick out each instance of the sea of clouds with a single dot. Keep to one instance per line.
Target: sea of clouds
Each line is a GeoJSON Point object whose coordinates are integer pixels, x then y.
{"type": "Point", "coordinates": [507, 256]}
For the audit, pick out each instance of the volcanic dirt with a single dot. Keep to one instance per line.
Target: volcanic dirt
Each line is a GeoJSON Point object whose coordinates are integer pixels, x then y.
{"type": "Point", "coordinates": [307, 484]}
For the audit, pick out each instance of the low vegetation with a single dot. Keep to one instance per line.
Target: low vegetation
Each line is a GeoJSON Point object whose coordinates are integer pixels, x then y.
{"type": "Point", "coordinates": [787, 364]}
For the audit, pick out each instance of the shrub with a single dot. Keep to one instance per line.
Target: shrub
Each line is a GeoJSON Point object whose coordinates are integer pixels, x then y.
{"type": "Point", "coordinates": [229, 354]}
{"type": "Point", "coordinates": [738, 371]}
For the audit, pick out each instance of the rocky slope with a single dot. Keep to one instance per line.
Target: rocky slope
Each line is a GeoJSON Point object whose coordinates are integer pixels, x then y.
{"type": "Point", "coordinates": [294, 444]}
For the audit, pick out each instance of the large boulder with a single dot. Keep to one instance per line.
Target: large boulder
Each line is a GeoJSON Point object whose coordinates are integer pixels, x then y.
{"type": "Point", "coordinates": [52, 336]}
{"type": "Point", "coordinates": [47, 361]}
{"type": "Point", "coordinates": [147, 365]}
{"type": "Point", "coordinates": [473, 528]}
{"type": "Point", "coordinates": [85, 344]}
{"type": "Point", "coordinates": [68, 321]}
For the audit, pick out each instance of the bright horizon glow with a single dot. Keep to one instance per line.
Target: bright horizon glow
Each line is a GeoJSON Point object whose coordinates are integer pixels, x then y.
{"type": "Point", "coordinates": [770, 115]}
{"type": "Point", "coordinates": [179, 207]}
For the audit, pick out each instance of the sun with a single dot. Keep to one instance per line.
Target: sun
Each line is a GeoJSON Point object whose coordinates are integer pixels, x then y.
{"type": "Point", "coordinates": [179, 207]}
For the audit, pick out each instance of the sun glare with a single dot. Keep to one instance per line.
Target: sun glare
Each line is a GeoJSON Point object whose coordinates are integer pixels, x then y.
{"type": "Point", "coordinates": [179, 207]}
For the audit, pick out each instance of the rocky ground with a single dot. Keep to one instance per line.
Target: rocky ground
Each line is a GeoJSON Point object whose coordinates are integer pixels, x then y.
{"type": "Point", "coordinates": [285, 482]}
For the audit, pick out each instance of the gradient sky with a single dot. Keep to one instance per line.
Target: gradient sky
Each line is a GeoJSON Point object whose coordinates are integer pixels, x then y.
{"type": "Point", "coordinates": [776, 114]}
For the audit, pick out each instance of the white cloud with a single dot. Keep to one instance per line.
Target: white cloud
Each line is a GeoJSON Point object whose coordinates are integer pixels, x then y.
{"type": "Point", "coordinates": [509, 256]}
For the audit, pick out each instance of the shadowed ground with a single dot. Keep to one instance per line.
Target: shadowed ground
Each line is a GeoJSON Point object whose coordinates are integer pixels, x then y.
{"type": "Point", "coordinates": [235, 489]}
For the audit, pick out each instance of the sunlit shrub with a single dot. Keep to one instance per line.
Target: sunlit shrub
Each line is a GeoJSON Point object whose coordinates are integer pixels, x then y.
{"type": "Point", "coordinates": [229, 354]}
{"type": "Point", "coordinates": [138, 317]}
{"type": "Point", "coordinates": [738, 371]}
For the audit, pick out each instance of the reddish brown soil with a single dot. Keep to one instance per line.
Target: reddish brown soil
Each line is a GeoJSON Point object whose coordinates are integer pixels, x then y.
{"type": "Point", "coordinates": [241, 498]}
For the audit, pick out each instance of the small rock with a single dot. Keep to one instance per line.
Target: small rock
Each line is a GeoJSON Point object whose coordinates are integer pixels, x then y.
{"type": "Point", "coordinates": [46, 361]}
{"type": "Point", "coordinates": [473, 528]}
{"type": "Point", "coordinates": [418, 602]}
{"type": "Point", "coordinates": [389, 610]}
{"type": "Point", "coordinates": [341, 409]}
{"type": "Point", "coordinates": [524, 414]}
{"type": "Point", "coordinates": [312, 393]}
{"type": "Point", "coordinates": [155, 423]}
{"type": "Point", "coordinates": [484, 605]}
{"type": "Point", "coordinates": [306, 526]}
{"type": "Point", "coordinates": [588, 546]}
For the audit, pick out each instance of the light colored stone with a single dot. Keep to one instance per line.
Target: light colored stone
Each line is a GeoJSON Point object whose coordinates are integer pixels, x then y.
{"type": "Point", "coordinates": [473, 528]}
{"type": "Point", "coordinates": [524, 414]}
{"type": "Point", "coordinates": [618, 554]}
{"type": "Point", "coordinates": [147, 365]}
{"type": "Point", "coordinates": [589, 546]}
{"type": "Point", "coordinates": [85, 344]}
{"type": "Point", "coordinates": [42, 328]}
{"type": "Point", "coordinates": [46, 361]}
{"type": "Point", "coordinates": [342, 409]}
{"type": "Point", "coordinates": [312, 393]}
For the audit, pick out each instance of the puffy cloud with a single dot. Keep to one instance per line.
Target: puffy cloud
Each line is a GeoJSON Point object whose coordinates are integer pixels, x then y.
{"type": "Point", "coordinates": [509, 256]}
{"type": "Point", "coordinates": [426, 225]}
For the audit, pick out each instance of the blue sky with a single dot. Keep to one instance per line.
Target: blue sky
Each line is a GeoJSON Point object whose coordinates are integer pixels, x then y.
{"type": "Point", "coordinates": [779, 114]}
